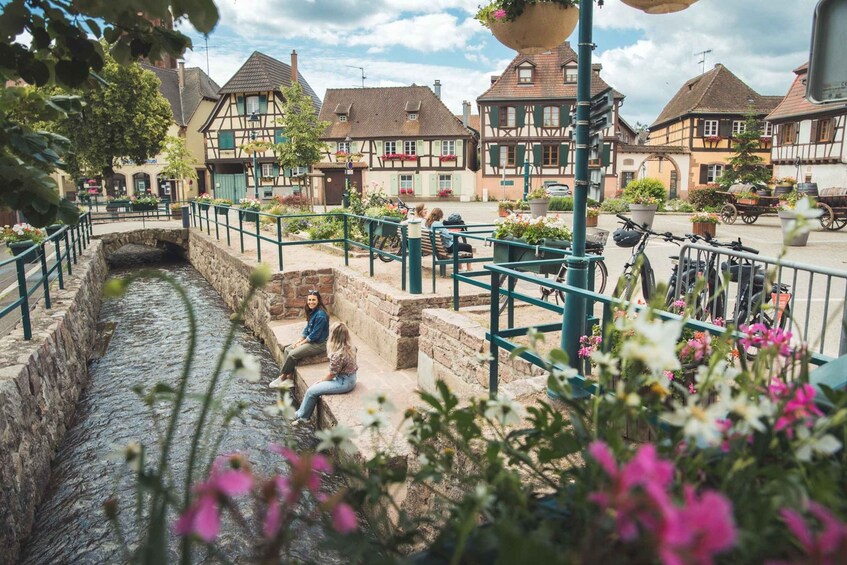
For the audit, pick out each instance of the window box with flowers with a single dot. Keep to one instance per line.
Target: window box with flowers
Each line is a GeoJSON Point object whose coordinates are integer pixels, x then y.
{"type": "Point", "coordinates": [704, 223]}
{"type": "Point", "coordinates": [144, 203]}
{"type": "Point", "coordinates": [341, 156]}
{"type": "Point", "coordinates": [447, 158]}
{"type": "Point", "coordinates": [528, 26]}
{"type": "Point", "coordinates": [410, 157]}
{"type": "Point", "coordinates": [540, 231]}
{"type": "Point", "coordinates": [222, 206]}
{"type": "Point", "coordinates": [407, 191]}
{"type": "Point", "coordinates": [204, 200]}
{"type": "Point", "coordinates": [712, 138]}
{"type": "Point", "coordinates": [445, 193]}
{"type": "Point", "coordinates": [392, 157]}
{"type": "Point", "coordinates": [747, 197]}
{"type": "Point", "coordinates": [249, 209]}
{"type": "Point", "coordinates": [20, 238]}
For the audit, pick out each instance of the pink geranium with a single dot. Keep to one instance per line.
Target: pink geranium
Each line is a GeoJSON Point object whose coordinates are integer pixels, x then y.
{"type": "Point", "coordinates": [499, 14]}
{"type": "Point", "coordinates": [827, 546]}
{"type": "Point", "coordinates": [762, 337]}
{"type": "Point", "coordinates": [305, 469]}
{"type": "Point", "coordinates": [230, 476]}
{"type": "Point", "coordinates": [799, 407]}
{"type": "Point", "coordinates": [698, 530]}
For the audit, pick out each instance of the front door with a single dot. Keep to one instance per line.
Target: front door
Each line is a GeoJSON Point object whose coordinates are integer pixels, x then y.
{"type": "Point", "coordinates": [335, 183]}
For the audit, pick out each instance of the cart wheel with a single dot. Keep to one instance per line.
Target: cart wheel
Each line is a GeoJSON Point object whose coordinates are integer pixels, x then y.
{"type": "Point", "coordinates": [749, 218]}
{"type": "Point", "coordinates": [828, 217]}
{"type": "Point", "coordinates": [729, 213]}
{"type": "Point", "coordinates": [838, 223]}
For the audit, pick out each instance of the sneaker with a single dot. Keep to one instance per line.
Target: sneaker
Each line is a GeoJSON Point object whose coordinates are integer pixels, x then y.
{"type": "Point", "coordinates": [279, 382]}
{"type": "Point", "coordinates": [297, 422]}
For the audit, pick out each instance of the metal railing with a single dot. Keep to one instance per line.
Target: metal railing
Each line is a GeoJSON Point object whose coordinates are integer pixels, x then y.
{"type": "Point", "coordinates": [59, 252]}
{"type": "Point", "coordinates": [106, 212]}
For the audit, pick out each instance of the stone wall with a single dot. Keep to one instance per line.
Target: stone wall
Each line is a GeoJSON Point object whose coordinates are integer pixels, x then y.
{"type": "Point", "coordinates": [40, 382]}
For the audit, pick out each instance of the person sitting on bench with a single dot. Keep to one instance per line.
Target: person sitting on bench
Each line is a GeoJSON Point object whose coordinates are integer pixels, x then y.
{"type": "Point", "coordinates": [435, 223]}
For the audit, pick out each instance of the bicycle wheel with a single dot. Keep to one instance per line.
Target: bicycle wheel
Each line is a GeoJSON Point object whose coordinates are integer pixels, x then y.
{"type": "Point", "coordinates": [601, 275]}
{"type": "Point", "coordinates": [648, 282]}
{"type": "Point", "coordinates": [390, 244]}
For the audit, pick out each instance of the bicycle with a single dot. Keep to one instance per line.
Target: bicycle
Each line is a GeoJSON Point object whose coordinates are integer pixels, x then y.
{"type": "Point", "coordinates": [391, 244]}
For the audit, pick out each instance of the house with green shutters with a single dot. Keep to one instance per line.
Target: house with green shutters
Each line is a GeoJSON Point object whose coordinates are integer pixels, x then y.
{"type": "Point", "coordinates": [526, 126]}
{"type": "Point", "coordinates": [403, 140]}
{"type": "Point", "coordinates": [248, 109]}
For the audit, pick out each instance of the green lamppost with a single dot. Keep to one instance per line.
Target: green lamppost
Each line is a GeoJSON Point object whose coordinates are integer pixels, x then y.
{"type": "Point", "coordinates": [254, 122]}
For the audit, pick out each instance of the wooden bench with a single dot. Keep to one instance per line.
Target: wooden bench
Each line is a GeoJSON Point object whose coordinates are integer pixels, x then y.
{"type": "Point", "coordinates": [430, 241]}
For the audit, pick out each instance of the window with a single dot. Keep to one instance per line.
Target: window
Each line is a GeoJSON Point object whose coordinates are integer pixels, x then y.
{"type": "Point", "coordinates": [738, 126]}
{"type": "Point", "coordinates": [410, 147]}
{"type": "Point", "coordinates": [507, 117]}
{"type": "Point", "coordinates": [342, 117]}
{"type": "Point", "coordinates": [448, 147]}
{"type": "Point", "coordinates": [713, 172]}
{"type": "Point", "coordinates": [626, 178]}
{"type": "Point", "coordinates": [226, 139]}
{"type": "Point", "coordinates": [445, 182]}
{"type": "Point", "coordinates": [344, 147]}
{"type": "Point", "coordinates": [390, 147]}
{"type": "Point", "coordinates": [508, 156]}
{"type": "Point", "coordinates": [787, 133]}
{"type": "Point", "coordinates": [550, 155]}
{"type": "Point", "coordinates": [767, 129]}
{"type": "Point", "coordinates": [406, 182]}
{"type": "Point", "coordinates": [413, 116]}
{"type": "Point", "coordinates": [710, 128]}
{"type": "Point", "coordinates": [570, 74]}
{"type": "Point", "coordinates": [551, 116]}
{"type": "Point", "coordinates": [826, 130]}
{"type": "Point", "coordinates": [267, 170]}
{"type": "Point", "coordinates": [525, 75]}
{"type": "Point", "coordinates": [252, 105]}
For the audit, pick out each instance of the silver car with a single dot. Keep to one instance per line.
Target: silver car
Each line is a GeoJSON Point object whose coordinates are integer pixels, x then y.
{"type": "Point", "coordinates": [558, 190]}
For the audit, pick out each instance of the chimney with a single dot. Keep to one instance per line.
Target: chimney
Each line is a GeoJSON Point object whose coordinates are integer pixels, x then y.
{"type": "Point", "coordinates": [437, 89]}
{"type": "Point", "coordinates": [494, 78]}
{"type": "Point", "coordinates": [181, 73]}
{"type": "Point", "coordinates": [466, 112]}
{"type": "Point", "coordinates": [293, 67]}
{"type": "Point", "coordinates": [596, 67]}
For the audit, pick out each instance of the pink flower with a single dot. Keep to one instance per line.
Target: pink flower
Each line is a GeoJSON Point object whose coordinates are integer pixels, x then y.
{"type": "Point", "coordinates": [499, 14]}
{"type": "Point", "coordinates": [763, 337]}
{"type": "Point", "coordinates": [828, 547]}
{"type": "Point", "coordinates": [344, 519]}
{"type": "Point", "coordinates": [278, 487]}
{"type": "Point", "coordinates": [230, 476]}
{"type": "Point", "coordinates": [699, 530]}
{"type": "Point", "coordinates": [305, 469]}
{"type": "Point", "coordinates": [800, 406]}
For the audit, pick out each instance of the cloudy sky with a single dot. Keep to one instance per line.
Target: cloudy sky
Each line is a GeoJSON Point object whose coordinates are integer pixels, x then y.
{"type": "Point", "coordinates": [647, 58]}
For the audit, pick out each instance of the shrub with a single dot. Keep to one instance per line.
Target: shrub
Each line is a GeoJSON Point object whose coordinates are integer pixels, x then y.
{"type": "Point", "coordinates": [643, 190]}
{"type": "Point", "coordinates": [708, 196]}
{"type": "Point", "coordinates": [614, 206]}
{"type": "Point", "coordinates": [561, 204]}
{"type": "Point", "coordinates": [677, 205]}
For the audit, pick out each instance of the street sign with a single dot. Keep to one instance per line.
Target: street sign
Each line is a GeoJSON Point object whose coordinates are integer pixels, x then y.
{"type": "Point", "coordinates": [601, 112]}
{"type": "Point", "coordinates": [349, 171]}
{"type": "Point", "coordinates": [507, 183]}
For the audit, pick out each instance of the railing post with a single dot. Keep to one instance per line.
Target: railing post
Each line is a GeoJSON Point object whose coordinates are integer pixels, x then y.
{"type": "Point", "coordinates": [241, 229]}
{"type": "Point", "coordinates": [258, 240]}
{"type": "Point", "coordinates": [346, 240]}
{"type": "Point", "coordinates": [415, 271]}
{"type": "Point", "coordinates": [217, 229]}
{"type": "Point", "coordinates": [228, 242]}
{"type": "Point", "coordinates": [59, 264]}
{"type": "Point", "coordinates": [24, 296]}
{"type": "Point", "coordinates": [279, 240]}
{"type": "Point", "coordinates": [208, 227]}
{"type": "Point", "coordinates": [41, 254]}
{"type": "Point", "coordinates": [73, 241]}
{"type": "Point", "coordinates": [494, 329]}
{"type": "Point", "coordinates": [186, 220]}
{"type": "Point", "coordinates": [455, 273]}
{"type": "Point", "coordinates": [371, 243]}
{"type": "Point", "coordinates": [67, 239]}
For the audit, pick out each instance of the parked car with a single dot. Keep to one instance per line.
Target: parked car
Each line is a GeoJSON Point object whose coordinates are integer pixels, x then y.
{"type": "Point", "coordinates": [558, 190]}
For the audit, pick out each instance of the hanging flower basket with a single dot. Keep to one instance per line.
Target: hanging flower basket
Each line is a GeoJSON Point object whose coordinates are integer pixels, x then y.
{"type": "Point", "coordinates": [541, 27]}
{"type": "Point", "coordinates": [659, 6]}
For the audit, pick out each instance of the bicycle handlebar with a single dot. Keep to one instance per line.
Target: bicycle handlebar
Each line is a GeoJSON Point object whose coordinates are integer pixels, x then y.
{"type": "Point", "coordinates": [734, 245]}
{"type": "Point", "coordinates": [629, 224]}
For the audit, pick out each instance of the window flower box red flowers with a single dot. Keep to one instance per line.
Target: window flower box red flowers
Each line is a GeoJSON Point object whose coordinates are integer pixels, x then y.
{"type": "Point", "coordinates": [712, 138]}
{"type": "Point", "coordinates": [445, 158]}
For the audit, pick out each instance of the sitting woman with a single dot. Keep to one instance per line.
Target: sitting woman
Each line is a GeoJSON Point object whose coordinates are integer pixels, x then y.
{"type": "Point", "coordinates": [421, 211]}
{"type": "Point", "coordinates": [435, 223]}
{"type": "Point", "coordinates": [312, 342]}
{"type": "Point", "coordinates": [342, 372]}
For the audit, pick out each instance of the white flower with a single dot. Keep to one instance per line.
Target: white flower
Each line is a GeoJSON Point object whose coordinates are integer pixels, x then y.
{"type": "Point", "coordinates": [505, 410]}
{"type": "Point", "coordinates": [482, 496]}
{"type": "Point", "coordinates": [630, 399]}
{"type": "Point", "coordinates": [606, 362]}
{"type": "Point", "coordinates": [562, 375]}
{"type": "Point", "coordinates": [242, 364]}
{"type": "Point", "coordinates": [373, 417]}
{"type": "Point", "coordinates": [654, 344]}
{"type": "Point", "coordinates": [750, 412]}
{"type": "Point", "coordinates": [129, 454]}
{"type": "Point", "coordinates": [484, 357]}
{"type": "Point", "coordinates": [809, 443]}
{"type": "Point", "coordinates": [284, 407]}
{"type": "Point", "coordinates": [380, 401]}
{"type": "Point", "coordinates": [338, 437]}
{"type": "Point", "coordinates": [697, 422]}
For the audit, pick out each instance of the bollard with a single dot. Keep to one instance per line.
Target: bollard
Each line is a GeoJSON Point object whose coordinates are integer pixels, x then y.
{"type": "Point", "coordinates": [186, 218]}
{"type": "Point", "coordinates": [414, 236]}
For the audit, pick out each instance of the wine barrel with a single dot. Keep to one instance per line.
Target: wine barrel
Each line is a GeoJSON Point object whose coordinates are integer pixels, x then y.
{"type": "Point", "coordinates": [808, 188]}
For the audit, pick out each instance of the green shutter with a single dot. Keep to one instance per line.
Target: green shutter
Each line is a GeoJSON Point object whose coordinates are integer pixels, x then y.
{"type": "Point", "coordinates": [226, 140]}
{"type": "Point", "coordinates": [536, 154]}
{"type": "Point", "coordinates": [263, 104]}
{"type": "Point", "coordinates": [276, 170]}
{"type": "Point", "coordinates": [494, 155]}
{"type": "Point", "coordinates": [520, 116]}
{"type": "Point", "coordinates": [420, 149]}
{"type": "Point", "coordinates": [520, 155]}
{"type": "Point", "coordinates": [379, 149]}
{"type": "Point", "coordinates": [353, 147]}
{"type": "Point", "coordinates": [279, 136]}
{"type": "Point", "coordinates": [239, 104]}
{"type": "Point", "coordinates": [287, 173]}
{"type": "Point", "coordinates": [459, 151]}
{"type": "Point", "coordinates": [494, 114]}
{"type": "Point", "coordinates": [607, 154]}
{"type": "Point", "coordinates": [393, 185]}
{"type": "Point", "coordinates": [417, 184]}
{"type": "Point", "coordinates": [400, 148]}
{"type": "Point", "coordinates": [433, 184]}
{"type": "Point", "coordinates": [563, 155]}
{"type": "Point", "coordinates": [457, 184]}
{"type": "Point", "coordinates": [565, 115]}
{"type": "Point", "coordinates": [538, 115]}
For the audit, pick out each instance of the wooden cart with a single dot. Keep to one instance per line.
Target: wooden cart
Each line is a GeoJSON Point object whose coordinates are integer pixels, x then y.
{"type": "Point", "coordinates": [748, 210]}
{"type": "Point", "coordinates": [833, 202]}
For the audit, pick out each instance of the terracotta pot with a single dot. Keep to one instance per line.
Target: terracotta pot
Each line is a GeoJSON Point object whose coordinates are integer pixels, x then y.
{"type": "Point", "coordinates": [703, 228]}
{"type": "Point", "coordinates": [659, 6]}
{"type": "Point", "coordinates": [502, 212]}
{"type": "Point", "coordinates": [541, 27]}
{"type": "Point", "coordinates": [591, 221]}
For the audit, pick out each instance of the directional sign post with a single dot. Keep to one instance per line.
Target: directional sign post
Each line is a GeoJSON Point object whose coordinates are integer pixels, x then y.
{"type": "Point", "coordinates": [507, 183]}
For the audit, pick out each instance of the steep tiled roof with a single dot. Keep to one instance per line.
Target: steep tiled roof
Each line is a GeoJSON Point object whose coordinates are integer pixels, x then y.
{"type": "Point", "coordinates": [715, 92]}
{"type": "Point", "coordinates": [262, 73]}
{"type": "Point", "coordinates": [381, 112]}
{"type": "Point", "coordinates": [169, 89]}
{"type": "Point", "coordinates": [795, 105]}
{"type": "Point", "coordinates": [548, 83]}
{"type": "Point", "coordinates": [198, 86]}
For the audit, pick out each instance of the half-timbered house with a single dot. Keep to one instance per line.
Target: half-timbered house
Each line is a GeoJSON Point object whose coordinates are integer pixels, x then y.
{"type": "Point", "coordinates": [809, 142]}
{"type": "Point", "coordinates": [526, 120]}
{"type": "Point", "coordinates": [704, 116]}
{"type": "Point", "coordinates": [401, 139]}
{"type": "Point", "coordinates": [249, 108]}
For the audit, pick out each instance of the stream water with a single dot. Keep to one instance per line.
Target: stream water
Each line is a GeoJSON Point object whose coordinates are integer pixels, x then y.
{"type": "Point", "coordinates": [148, 346]}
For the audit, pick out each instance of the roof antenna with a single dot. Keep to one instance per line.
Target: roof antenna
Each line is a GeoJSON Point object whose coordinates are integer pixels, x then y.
{"type": "Point", "coordinates": [363, 73]}
{"type": "Point", "coordinates": [703, 60]}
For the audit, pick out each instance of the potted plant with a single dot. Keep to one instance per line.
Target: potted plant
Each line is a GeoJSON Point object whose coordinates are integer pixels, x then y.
{"type": "Point", "coordinates": [54, 227]}
{"type": "Point", "coordinates": [504, 207]}
{"type": "Point", "coordinates": [385, 213]}
{"type": "Point", "coordinates": [539, 202]}
{"type": "Point", "coordinates": [783, 186]}
{"type": "Point", "coordinates": [704, 223]}
{"type": "Point", "coordinates": [530, 26]}
{"type": "Point", "coordinates": [659, 6]}
{"type": "Point", "coordinates": [176, 211]}
{"type": "Point", "coordinates": [747, 197]}
{"type": "Point", "coordinates": [22, 237]}
{"type": "Point", "coordinates": [591, 216]}
{"type": "Point", "coordinates": [541, 231]}
{"type": "Point", "coordinates": [144, 203]}
{"type": "Point", "coordinates": [644, 197]}
{"type": "Point", "coordinates": [204, 200]}
{"type": "Point", "coordinates": [249, 209]}
{"type": "Point", "coordinates": [794, 214]}
{"type": "Point", "coordinates": [222, 206]}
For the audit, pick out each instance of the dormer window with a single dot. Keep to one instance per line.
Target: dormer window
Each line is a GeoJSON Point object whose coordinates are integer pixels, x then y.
{"type": "Point", "coordinates": [570, 74]}
{"type": "Point", "coordinates": [252, 105]}
{"type": "Point", "coordinates": [525, 75]}
{"type": "Point", "coordinates": [412, 109]}
{"type": "Point", "coordinates": [342, 117]}
{"type": "Point", "coordinates": [412, 116]}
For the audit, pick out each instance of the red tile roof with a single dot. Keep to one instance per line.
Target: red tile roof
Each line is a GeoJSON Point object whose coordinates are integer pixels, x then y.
{"type": "Point", "coordinates": [795, 105]}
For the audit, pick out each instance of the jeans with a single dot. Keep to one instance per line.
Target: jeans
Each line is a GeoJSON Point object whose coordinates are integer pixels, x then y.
{"type": "Point", "coordinates": [338, 385]}
{"type": "Point", "coordinates": [294, 354]}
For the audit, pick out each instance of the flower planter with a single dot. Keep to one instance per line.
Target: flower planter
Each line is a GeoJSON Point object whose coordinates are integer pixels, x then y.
{"type": "Point", "coordinates": [382, 229]}
{"type": "Point", "coordinates": [248, 215]}
{"type": "Point", "coordinates": [221, 210]}
{"type": "Point", "coordinates": [18, 248]}
{"type": "Point", "coordinates": [502, 212]}
{"type": "Point", "coordinates": [203, 205]}
{"type": "Point", "coordinates": [541, 27]}
{"type": "Point", "coordinates": [659, 6]}
{"type": "Point", "coordinates": [788, 218]}
{"type": "Point", "coordinates": [505, 253]}
{"type": "Point", "coordinates": [808, 188]}
{"type": "Point", "coordinates": [748, 201]}
{"type": "Point", "coordinates": [591, 221]}
{"type": "Point", "coordinates": [643, 213]}
{"type": "Point", "coordinates": [703, 228]}
{"type": "Point", "coordinates": [538, 206]}
{"type": "Point", "coordinates": [143, 207]}
{"type": "Point", "coordinates": [782, 189]}
{"type": "Point", "coordinates": [53, 228]}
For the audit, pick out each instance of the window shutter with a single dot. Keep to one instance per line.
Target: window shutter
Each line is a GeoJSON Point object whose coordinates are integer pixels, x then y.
{"type": "Point", "coordinates": [393, 184]}
{"type": "Point", "coordinates": [276, 170]}
{"type": "Point", "coordinates": [538, 115]}
{"type": "Point", "coordinates": [418, 183]}
{"type": "Point", "coordinates": [813, 136]}
{"type": "Point", "coordinates": [436, 147]}
{"type": "Point", "coordinates": [279, 136]}
{"type": "Point", "coordinates": [433, 186]}
{"type": "Point", "coordinates": [239, 105]}
{"type": "Point", "coordinates": [354, 147]}
{"type": "Point", "coordinates": [725, 128]}
{"type": "Point", "coordinates": [226, 140]}
{"type": "Point", "coordinates": [607, 154]}
{"type": "Point", "coordinates": [520, 155]}
{"type": "Point", "coordinates": [457, 183]}
{"type": "Point", "coordinates": [796, 131]}
{"type": "Point", "coordinates": [263, 104]}
{"type": "Point", "coordinates": [704, 173]}
{"type": "Point", "coordinates": [565, 115]}
{"type": "Point", "coordinates": [494, 155]}
{"type": "Point", "coordinates": [287, 173]}
{"type": "Point", "coordinates": [701, 127]}
{"type": "Point", "coordinates": [520, 116]}
{"type": "Point", "coordinates": [536, 154]}
{"type": "Point", "coordinates": [563, 154]}
{"type": "Point", "coordinates": [459, 150]}
{"type": "Point", "coordinates": [420, 147]}
{"type": "Point", "coordinates": [400, 147]}
{"type": "Point", "coordinates": [379, 148]}
{"type": "Point", "coordinates": [494, 116]}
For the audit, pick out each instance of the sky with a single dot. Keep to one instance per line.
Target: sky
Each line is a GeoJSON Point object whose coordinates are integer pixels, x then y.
{"type": "Point", "coordinates": [645, 57]}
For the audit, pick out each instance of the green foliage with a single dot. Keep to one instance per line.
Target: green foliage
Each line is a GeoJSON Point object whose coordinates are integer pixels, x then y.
{"type": "Point", "coordinates": [614, 206]}
{"type": "Point", "coordinates": [645, 191]}
{"type": "Point", "coordinates": [179, 163]}
{"type": "Point", "coordinates": [561, 204]}
{"type": "Point", "coordinates": [512, 9]}
{"type": "Point", "coordinates": [384, 211]}
{"type": "Point", "coordinates": [303, 147]}
{"type": "Point", "coordinates": [703, 197]}
{"type": "Point", "coordinates": [746, 166]}
{"type": "Point", "coordinates": [677, 205]}
{"type": "Point", "coordinates": [533, 231]}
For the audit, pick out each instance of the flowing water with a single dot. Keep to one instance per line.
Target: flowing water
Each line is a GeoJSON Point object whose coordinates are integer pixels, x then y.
{"type": "Point", "coordinates": [148, 346]}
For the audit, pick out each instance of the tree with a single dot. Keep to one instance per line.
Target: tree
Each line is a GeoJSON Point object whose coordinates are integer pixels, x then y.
{"type": "Point", "coordinates": [126, 120]}
{"type": "Point", "coordinates": [302, 146]}
{"type": "Point", "coordinates": [745, 166]}
{"type": "Point", "coordinates": [64, 49]}
{"type": "Point", "coordinates": [179, 162]}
